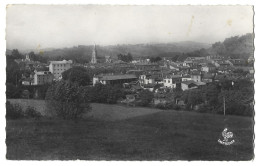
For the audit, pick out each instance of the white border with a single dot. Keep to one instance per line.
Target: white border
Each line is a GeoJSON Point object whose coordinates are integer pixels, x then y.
{"type": "Point", "coordinates": [3, 4]}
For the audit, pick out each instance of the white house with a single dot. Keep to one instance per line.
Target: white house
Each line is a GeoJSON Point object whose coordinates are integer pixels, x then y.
{"type": "Point", "coordinates": [208, 68]}
{"type": "Point", "coordinates": [171, 82]}
{"type": "Point", "coordinates": [186, 78]}
{"type": "Point", "coordinates": [146, 79]}
{"type": "Point", "coordinates": [196, 76]}
{"type": "Point", "coordinates": [57, 67]}
{"type": "Point", "coordinates": [42, 77]}
{"type": "Point", "coordinates": [187, 85]}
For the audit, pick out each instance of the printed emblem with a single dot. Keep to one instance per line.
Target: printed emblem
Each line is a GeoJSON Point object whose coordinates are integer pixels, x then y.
{"type": "Point", "coordinates": [227, 136]}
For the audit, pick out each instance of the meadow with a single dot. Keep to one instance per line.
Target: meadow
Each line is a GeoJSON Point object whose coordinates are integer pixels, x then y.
{"type": "Point", "coordinates": [113, 132]}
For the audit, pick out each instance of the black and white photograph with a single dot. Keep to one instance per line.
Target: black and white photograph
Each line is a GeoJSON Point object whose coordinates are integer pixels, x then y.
{"type": "Point", "coordinates": [130, 82]}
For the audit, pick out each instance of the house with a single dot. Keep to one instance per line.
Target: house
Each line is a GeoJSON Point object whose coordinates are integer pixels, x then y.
{"type": "Point", "coordinates": [221, 63]}
{"type": "Point", "coordinates": [184, 69]}
{"type": "Point", "coordinates": [207, 78]}
{"type": "Point", "coordinates": [236, 62]}
{"type": "Point", "coordinates": [27, 81]}
{"type": "Point", "coordinates": [196, 76]}
{"type": "Point", "coordinates": [149, 87]}
{"type": "Point", "coordinates": [114, 79]}
{"type": "Point", "coordinates": [146, 67]}
{"type": "Point", "coordinates": [174, 66]}
{"type": "Point", "coordinates": [42, 77]}
{"type": "Point", "coordinates": [135, 72]}
{"type": "Point", "coordinates": [251, 59]}
{"type": "Point", "coordinates": [187, 85]}
{"type": "Point", "coordinates": [188, 63]}
{"type": "Point", "coordinates": [155, 78]}
{"type": "Point", "coordinates": [186, 78]}
{"type": "Point", "coordinates": [147, 79]}
{"type": "Point", "coordinates": [172, 81]}
{"type": "Point", "coordinates": [220, 77]}
{"type": "Point", "coordinates": [57, 67]}
{"type": "Point", "coordinates": [208, 68]}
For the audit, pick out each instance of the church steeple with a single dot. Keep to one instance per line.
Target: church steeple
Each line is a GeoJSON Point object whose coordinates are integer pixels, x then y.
{"type": "Point", "coordinates": [94, 55]}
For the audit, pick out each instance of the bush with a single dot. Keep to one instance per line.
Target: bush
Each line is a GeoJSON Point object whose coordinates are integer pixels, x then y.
{"type": "Point", "coordinates": [238, 109]}
{"type": "Point", "coordinates": [30, 112]}
{"type": "Point", "coordinates": [167, 106]}
{"type": "Point", "coordinates": [160, 106]}
{"type": "Point", "coordinates": [145, 98]}
{"type": "Point", "coordinates": [205, 109]}
{"type": "Point", "coordinates": [67, 100]}
{"type": "Point", "coordinates": [106, 93]}
{"type": "Point", "coordinates": [13, 111]}
{"type": "Point", "coordinates": [68, 110]}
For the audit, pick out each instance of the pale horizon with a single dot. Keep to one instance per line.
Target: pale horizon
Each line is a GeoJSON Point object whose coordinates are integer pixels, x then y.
{"type": "Point", "coordinates": [59, 26]}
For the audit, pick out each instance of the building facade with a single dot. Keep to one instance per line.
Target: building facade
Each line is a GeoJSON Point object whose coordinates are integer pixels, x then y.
{"type": "Point", "coordinates": [42, 77]}
{"type": "Point", "coordinates": [57, 67]}
{"type": "Point", "coordinates": [114, 79]}
{"type": "Point", "coordinates": [171, 82]}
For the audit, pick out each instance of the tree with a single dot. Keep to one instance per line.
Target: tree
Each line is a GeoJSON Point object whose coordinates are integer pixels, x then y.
{"type": "Point", "coordinates": [192, 98]}
{"type": "Point", "coordinates": [126, 58]}
{"type": "Point", "coordinates": [32, 56]}
{"type": "Point", "coordinates": [78, 75]}
{"type": "Point", "coordinates": [16, 54]}
{"type": "Point", "coordinates": [236, 102]}
{"type": "Point", "coordinates": [155, 59]}
{"type": "Point", "coordinates": [13, 73]}
{"type": "Point", "coordinates": [12, 91]}
{"type": "Point", "coordinates": [145, 98]}
{"type": "Point", "coordinates": [106, 93]}
{"type": "Point", "coordinates": [211, 94]}
{"type": "Point", "coordinates": [67, 100]}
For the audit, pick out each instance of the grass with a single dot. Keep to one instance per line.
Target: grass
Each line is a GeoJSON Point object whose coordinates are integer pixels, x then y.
{"type": "Point", "coordinates": [159, 135]}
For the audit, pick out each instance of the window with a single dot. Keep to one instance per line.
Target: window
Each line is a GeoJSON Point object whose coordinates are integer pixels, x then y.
{"type": "Point", "coordinates": [168, 81]}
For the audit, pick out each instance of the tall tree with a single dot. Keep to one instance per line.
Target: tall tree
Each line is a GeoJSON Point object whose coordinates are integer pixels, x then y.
{"type": "Point", "coordinates": [67, 100]}
{"type": "Point", "coordinates": [78, 75]}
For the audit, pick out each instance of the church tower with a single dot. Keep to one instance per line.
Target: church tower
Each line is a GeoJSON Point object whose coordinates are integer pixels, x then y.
{"type": "Point", "coordinates": [94, 55]}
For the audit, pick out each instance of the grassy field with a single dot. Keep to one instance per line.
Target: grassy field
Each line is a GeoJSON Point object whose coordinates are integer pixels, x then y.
{"type": "Point", "coordinates": [155, 135]}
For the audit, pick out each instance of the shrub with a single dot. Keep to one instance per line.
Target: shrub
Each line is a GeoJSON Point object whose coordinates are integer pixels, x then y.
{"type": "Point", "coordinates": [160, 106]}
{"type": "Point", "coordinates": [238, 109]}
{"type": "Point", "coordinates": [145, 98]}
{"type": "Point", "coordinates": [68, 110]}
{"type": "Point", "coordinates": [13, 111]}
{"type": "Point", "coordinates": [30, 112]}
{"type": "Point", "coordinates": [67, 100]}
{"type": "Point", "coordinates": [205, 109]}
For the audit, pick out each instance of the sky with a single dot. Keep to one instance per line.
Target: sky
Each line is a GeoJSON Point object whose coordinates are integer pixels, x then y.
{"type": "Point", "coordinates": [58, 26]}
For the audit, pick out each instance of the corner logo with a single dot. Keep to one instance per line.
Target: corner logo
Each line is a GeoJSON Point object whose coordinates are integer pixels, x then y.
{"type": "Point", "coordinates": [227, 136]}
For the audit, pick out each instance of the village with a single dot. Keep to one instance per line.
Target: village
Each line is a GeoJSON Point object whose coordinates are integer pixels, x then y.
{"type": "Point", "coordinates": [139, 74]}
{"type": "Point", "coordinates": [130, 82]}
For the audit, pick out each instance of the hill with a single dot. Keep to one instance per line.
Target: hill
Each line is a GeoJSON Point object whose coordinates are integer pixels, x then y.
{"type": "Point", "coordinates": [83, 53]}
{"type": "Point", "coordinates": [235, 46]}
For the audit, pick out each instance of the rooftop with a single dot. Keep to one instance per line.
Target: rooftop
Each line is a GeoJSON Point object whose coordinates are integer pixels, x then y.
{"type": "Point", "coordinates": [193, 82]}
{"type": "Point", "coordinates": [42, 72]}
{"type": "Point", "coordinates": [61, 62]}
{"type": "Point", "coordinates": [117, 77]}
